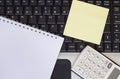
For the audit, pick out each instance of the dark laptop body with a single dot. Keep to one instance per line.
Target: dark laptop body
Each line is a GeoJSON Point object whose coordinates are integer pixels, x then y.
{"type": "Point", "coordinates": [62, 69]}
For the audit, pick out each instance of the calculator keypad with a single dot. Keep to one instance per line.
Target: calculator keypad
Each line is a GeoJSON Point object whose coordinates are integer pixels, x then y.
{"type": "Point", "coordinates": [91, 65]}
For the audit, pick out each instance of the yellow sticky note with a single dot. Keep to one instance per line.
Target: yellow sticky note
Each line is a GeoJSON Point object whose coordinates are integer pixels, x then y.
{"type": "Point", "coordinates": [86, 22]}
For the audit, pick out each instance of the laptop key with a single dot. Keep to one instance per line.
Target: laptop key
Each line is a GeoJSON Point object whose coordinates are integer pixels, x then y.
{"type": "Point", "coordinates": [65, 10]}
{"type": "Point", "coordinates": [68, 39]}
{"type": "Point", "coordinates": [116, 47]}
{"type": "Point", "coordinates": [1, 2]}
{"type": "Point", "coordinates": [51, 20]}
{"type": "Point", "coordinates": [116, 10]}
{"type": "Point", "coordinates": [17, 2]}
{"type": "Point", "coordinates": [116, 37]}
{"type": "Point", "coordinates": [66, 2]}
{"type": "Point", "coordinates": [57, 2]}
{"type": "Point", "coordinates": [107, 37]}
{"type": "Point", "coordinates": [107, 47]}
{"type": "Point", "coordinates": [9, 2]}
{"type": "Point", "coordinates": [116, 2]}
{"type": "Point", "coordinates": [98, 2]}
{"type": "Point", "coordinates": [33, 2]}
{"type": "Point", "coordinates": [100, 47]}
{"type": "Point", "coordinates": [2, 12]}
{"type": "Point", "coordinates": [47, 11]}
{"type": "Point", "coordinates": [53, 28]}
{"type": "Point", "coordinates": [60, 19]}
{"type": "Point", "coordinates": [28, 11]}
{"type": "Point", "coordinates": [16, 18]}
{"type": "Point", "coordinates": [25, 2]}
{"type": "Point", "coordinates": [80, 46]}
{"type": "Point", "coordinates": [61, 28]}
{"type": "Point", "coordinates": [41, 2]}
{"type": "Point", "coordinates": [107, 28]}
{"type": "Point", "coordinates": [18, 11]}
{"type": "Point", "coordinates": [56, 11]}
{"type": "Point", "coordinates": [32, 20]}
{"type": "Point", "coordinates": [9, 11]}
{"type": "Point", "coordinates": [24, 19]}
{"type": "Point", "coordinates": [106, 3]}
{"type": "Point", "coordinates": [44, 27]}
{"type": "Point", "coordinates": [91, 1]}
{"type": "Point", "coordinates": [116, 19]}
{"type": "Point", "coordinates": [71, 47]}
{"type": "Point", "coordinates": [116, 28]}
{"type": "Point", "coordinates": [42, 20]}
{"type": "Point", "coordinates": [37, 11]}
{"type": "Point", "coordinates": [49, 2]}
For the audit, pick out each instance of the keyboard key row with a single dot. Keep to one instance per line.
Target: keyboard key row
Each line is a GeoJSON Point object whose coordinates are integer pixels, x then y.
{"type": "Point", "coordinates": [78, 47]}
{"type": "Point", "coordinates": [35, 2]}
{"type": "Point", "coordinates": [34, 10]}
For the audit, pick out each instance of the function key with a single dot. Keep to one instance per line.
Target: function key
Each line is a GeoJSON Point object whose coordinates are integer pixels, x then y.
{"type": "Point", "coordinates": [91, 1]}
{"type": "Point", "coordinates": [106, 3]}
{"type": "Point", "coordinates": [98, 2]}
{"type": "Point", "coordinates": [116, 2]}
{"type": "Point", "coordinates": [17, 2]}
{"type": "Point", "coordinates": [49, 2]}
{"type": "Point", "coordinates": [66, 2]}
{"type": "Point", "coordinates": [25, 2]}
{"type": "Point", "coordinates": [9, 2]}
{"type": "Point", "coordinates": [58, 2]}
{"type": "Point", "coordinates": [33, 2]}
{"type": "Point", "coordinates": [41, 2]}
{"type": "Point", "coordinates": [1, 2]}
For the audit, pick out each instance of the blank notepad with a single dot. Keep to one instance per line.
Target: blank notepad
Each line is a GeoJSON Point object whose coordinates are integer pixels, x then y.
{"type": "Point", "coordinates": [86, 21]}
{"type": "Point", "coordinates": [26, 52]}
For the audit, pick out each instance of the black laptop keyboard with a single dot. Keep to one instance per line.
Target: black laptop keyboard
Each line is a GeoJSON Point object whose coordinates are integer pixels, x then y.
{"type": "Point", "coordinates": [51, 16]}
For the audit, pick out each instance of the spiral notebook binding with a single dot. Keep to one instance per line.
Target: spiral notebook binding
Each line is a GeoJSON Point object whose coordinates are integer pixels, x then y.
{"type": "Point", "coordinates": [27, 27]}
